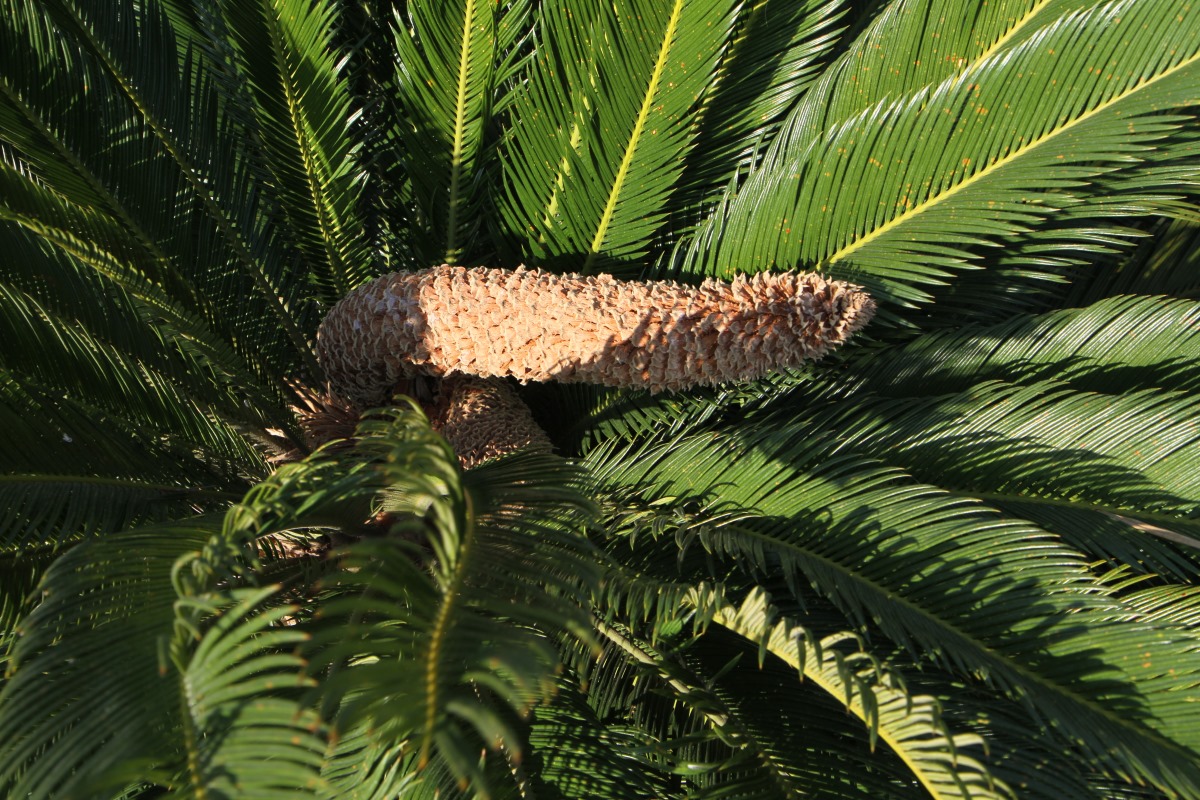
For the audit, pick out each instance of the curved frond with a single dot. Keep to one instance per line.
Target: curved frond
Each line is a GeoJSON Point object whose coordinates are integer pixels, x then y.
{"type": "Point", "coordinates": [906, 190]}
{"type": "Point", "coordinates": [86, 697]}
{"type": "Point", "coordinates": [1167, 263]}
{"type": "Point", "coordinates": [121, 301]}
{"type": "Point", "coordinates": [358, 765]}
{"type": "Point", "coordinates": [574, 753]}
{"type": "Point", "coordinates": [300, 102]}
{"type": "Point", "coordinates": [57, 508]}
{"type": "Point", "coordinates": [909, 725]}
{"type": "Point", "coordinates": [447, 640]}
{"type": "Point", "coordinates": [913, 44]}
{"type": "Point", "coordinates": [242, 736]}
{"type": "Point", "coordinates": [1123, 341]}
{"type": "Point", "coordinates": [603, 123]}
{"type": "Point", "coordinates": [57, 353]}
{"type": "Point", "coordinates": [51, 435]}
{"type": "Point", "coordinates": [1113, 474]}
{"type": "Point", "coordinates": [20, 573]}
{"type": "Point", "coordinates": [773, 58]}
{"type": "Point", "coordinates": [1178, 606]}
{"type": "Point", "coordinates": [453, 61]}
{"type": "Point", "coordinates": [1137, 451]}
{"type": "Point", "coordinates": [975, 590]}
{"type": "Point", "coordinates": [437, 633]}
{"type": "Point", "coordinates": [164, 104]}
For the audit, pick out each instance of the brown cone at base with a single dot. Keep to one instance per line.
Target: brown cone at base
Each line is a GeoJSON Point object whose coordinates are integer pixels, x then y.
{"type": "Point", "coordinates": [481, 418]}
{"type": "Point", "coordinates": [484, 419]}
{"type": "Point", "coordinates": [537, 326]}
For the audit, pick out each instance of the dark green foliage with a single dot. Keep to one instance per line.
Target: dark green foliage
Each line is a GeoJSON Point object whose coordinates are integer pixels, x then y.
{"type": "Point", "coordinates": [958, 558]}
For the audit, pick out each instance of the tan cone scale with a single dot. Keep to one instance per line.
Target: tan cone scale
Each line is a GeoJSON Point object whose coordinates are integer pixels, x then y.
{"type": "Point", "coordinates": [534, 325]}
{"type": "Point", "coordinates": [484, 419]}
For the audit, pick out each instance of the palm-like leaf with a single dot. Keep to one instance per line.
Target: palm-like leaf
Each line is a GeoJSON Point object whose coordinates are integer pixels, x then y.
{"type": "Point", "coordinates": [957, 558]}
{"type": "Point", "coordinates": [914, 561]}
{"type": "Point", "coordinates": [983, 153]}
{"type": "Point", "coordinates": [504, 566]}
{"type": "Point", "coordinates": [907, 724]}
{"type": "Point", "coordinates": [116, 714]}
{"type": "Point", "coordinates": [454, 60]}
{"type": "Point", "coordinates": [599, 153]}
{"type": "Point", "coordinates": [301, 109]}
{"type": "Point", "coordinates": [240, 737]}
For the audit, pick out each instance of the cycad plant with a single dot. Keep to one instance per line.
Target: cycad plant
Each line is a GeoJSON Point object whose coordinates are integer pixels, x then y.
{"type": "Point", "coordinates": [959, 556]}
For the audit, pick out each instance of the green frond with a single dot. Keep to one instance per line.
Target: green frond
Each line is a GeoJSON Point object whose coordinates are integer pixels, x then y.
{"type": "Point", "coordinates": [971, 588]}
{"type": "Point", "coordinates": [137, 719]}
{"type": "Point", "coordinates": [603, 123]}
{"type": "Point", "coordinates": [54, 435]}
{"type": "Point", "coordinates": [608, 416]}
{"type": "Point", "coordinates": [1166, 263]}
{"type": "Point", "coordinates": [1136, 450]}
{"type": "Point", "coordinates": [85, 681]}
{"type": "Point", "coordinates": [1178, 606]}
{"type": "Point", "coordinates": [1120, 342]}
{"type": "Point", "coordinates": [358, 766]}
{"type": "Point", "coordinates": [170, 106]}
{"type": "Point", "coordinates": [773, 58]}
{"type": "Point", "coordinates": [298, 98]}
{"type": "Point", "coordinates": [708, 710]}
{"type": "Point", "coordinates": [1146, 543]}
{"type": "Point", "coordinates": [978, 157]}
{"type": "Point", "coordinates": [73, 284]}
{"type": "Point", "coordinates": [58, 508]}
{"type": "Point", "coordinates": [459, 621]}
{"type": "Point", "coordinates": [453, 61]}
{"type": "Point", "coordinates": [54, 352]}
{"type": "Point", "coordinates": [1021, 751]}
{"type": "Point", "coordinates": [20, 572]}
{"type": "Point", "coordinates": [1084, 463]}
{"type": "Point", "coordinates": [390, 218]}
{"type": "Point", "coordinates": [242, 734]}
{"type": "Point", "coordinates": [909, 725]}
{"type": "Point", "coordinates": [464, 623]}
{"type": "Point", "coordinates": [907, 46]}
{"type": "Point", "coordinates": [576, 754]}
{"type": "Point", "coordinates": [1113, 474]}
{"type": "Point", "coordinates": [957, 559]}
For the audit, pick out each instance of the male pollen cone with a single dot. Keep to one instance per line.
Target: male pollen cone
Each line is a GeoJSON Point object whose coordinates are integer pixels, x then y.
{"type": "Point", "coordinates": [534, 325]}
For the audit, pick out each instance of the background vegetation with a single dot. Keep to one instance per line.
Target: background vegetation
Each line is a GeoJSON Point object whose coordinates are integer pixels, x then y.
{"type": "Point", "coordinates": [958, 558]}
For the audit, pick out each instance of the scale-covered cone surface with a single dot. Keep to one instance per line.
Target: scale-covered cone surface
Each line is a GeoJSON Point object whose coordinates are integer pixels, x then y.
{"type": "Point", "coordinates": [537, 326]}
{"type": "Point", "coordinates": [484, 419]}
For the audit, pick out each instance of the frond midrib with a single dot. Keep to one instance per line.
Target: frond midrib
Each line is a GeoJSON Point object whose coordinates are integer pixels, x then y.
{"type": "Point", "coordinates": [854, 706]}
{"type": "Point", "coordinates": [460, 124]}
{"type": "Point", "coordinates": [631, 146]}
{"type": "Point", "coordinates": [452, 593]}
{"type": "Point", "coordinates": [291, 94]}
{"type": "Point", "coordinates": [227, 226]}
{"type": "Point", "coordinates": [996, 658]}
{"type": "Point", "coordinates": [1007, 36]}
{"type": "Point", "coordinates": [999, 163]}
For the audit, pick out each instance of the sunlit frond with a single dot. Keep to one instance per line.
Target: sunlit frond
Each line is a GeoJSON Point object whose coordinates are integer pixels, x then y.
{"type": "Point", "coordinates": [302, 110]}
{"type": "Point", "coordinates": [903, 191]}
{"type": "Point", "coordinates": [603, 123]}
